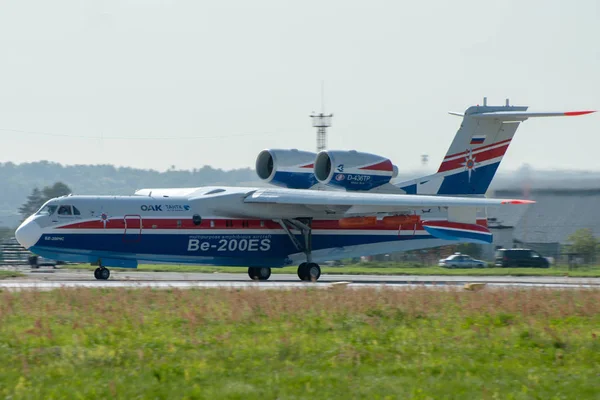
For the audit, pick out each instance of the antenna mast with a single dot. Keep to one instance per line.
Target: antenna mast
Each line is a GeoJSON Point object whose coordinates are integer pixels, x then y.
{"type": "Point", "coordinates": [321, 121]}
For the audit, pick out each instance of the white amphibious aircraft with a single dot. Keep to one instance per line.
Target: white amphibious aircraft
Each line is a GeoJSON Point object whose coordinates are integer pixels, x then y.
{"type": "Point", "coordinates": [333, 205]}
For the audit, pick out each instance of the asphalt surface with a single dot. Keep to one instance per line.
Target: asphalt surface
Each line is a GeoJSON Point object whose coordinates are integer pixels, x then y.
{"type": "Point", "coordinates": [48, 278]}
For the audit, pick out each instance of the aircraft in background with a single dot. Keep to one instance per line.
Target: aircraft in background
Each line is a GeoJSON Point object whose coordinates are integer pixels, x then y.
{"type": "Point", "coordinates": [360, 212]}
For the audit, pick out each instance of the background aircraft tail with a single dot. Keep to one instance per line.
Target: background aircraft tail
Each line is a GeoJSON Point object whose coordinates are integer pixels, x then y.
{"type": "Point", "coordinates": [477, 150]}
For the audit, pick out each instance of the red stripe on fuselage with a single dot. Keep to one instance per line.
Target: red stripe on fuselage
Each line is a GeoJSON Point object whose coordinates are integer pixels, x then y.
{"type": "Point", "coordinates": [233, 224]}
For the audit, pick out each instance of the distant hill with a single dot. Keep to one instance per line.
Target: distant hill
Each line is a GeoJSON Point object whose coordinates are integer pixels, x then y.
{"type": "Point", "coordinates": [18, 180]}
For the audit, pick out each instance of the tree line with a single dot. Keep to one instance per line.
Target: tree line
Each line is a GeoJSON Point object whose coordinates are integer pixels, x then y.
{"type": "Point", "coordinates": [38, 197]}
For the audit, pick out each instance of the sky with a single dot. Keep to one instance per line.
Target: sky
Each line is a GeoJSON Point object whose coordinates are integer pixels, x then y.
{"type": "Point", "coordinates": [155, 84]}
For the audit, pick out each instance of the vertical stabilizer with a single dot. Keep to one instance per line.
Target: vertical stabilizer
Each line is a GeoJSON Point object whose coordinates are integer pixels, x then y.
{"type": "Point", "coordinates": [477, 150]}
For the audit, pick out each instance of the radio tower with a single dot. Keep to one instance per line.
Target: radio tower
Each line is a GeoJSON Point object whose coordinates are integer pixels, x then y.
{"type": "Point", "coordinates": [321, 121]}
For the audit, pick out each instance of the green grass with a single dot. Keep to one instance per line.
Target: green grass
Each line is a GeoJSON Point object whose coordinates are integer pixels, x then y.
{"type": "Point", "coordinates": [9, 274]}
{"type": "Point", "coordinates": [340, 343]}
{"type": "Point", "coordinates": [379, 269]}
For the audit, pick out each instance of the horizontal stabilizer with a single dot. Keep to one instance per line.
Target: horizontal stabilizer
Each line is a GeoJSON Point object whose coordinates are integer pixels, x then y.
{"type": "Point", "coordinates": [523, 115]}
{"type": "Point", "coordinates": [458, 231]}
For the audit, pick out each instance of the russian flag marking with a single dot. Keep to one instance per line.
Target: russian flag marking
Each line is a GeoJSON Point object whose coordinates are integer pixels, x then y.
{"type": "Point", "coordinates": [478, 139]}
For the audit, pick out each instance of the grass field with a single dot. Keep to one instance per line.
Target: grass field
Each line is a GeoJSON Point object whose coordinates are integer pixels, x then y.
{"type": "Point", "coordinates": [9, 274]}
{"type": "Point", "coordinates": [380, 269]}
{"type": "Point", "coordinates": [340, 343]}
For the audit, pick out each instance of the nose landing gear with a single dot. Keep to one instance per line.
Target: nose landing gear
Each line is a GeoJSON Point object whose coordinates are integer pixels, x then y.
{"type": "Point", "coordinates": [101, 273]}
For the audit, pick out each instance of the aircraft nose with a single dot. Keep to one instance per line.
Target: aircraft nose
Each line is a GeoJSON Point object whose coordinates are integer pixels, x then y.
{"type": "Point", "coordinates": [28, 233]}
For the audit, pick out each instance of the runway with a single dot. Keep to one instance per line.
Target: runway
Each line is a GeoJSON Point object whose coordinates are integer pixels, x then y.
{"type": "Point", "coordinates": [47, 279]}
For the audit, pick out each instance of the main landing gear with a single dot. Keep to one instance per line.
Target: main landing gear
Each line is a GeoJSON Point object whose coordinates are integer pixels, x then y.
{"type": "Point", "coordinates": [307, 271]}
{"type": "Point", "coordinates": [259, 273]}
{"type": "Point", "coordinates": [101, 273]}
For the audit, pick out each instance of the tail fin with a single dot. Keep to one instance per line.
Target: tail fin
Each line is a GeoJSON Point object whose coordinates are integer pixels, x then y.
{"type": "Point", "coordinates": [477, 150]}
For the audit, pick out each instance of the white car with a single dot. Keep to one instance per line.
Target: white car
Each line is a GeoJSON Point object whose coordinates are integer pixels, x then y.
{"type": "Point", "coordinates": [458, 260]}
{"type": "Point", "coordinates": [39, 261]}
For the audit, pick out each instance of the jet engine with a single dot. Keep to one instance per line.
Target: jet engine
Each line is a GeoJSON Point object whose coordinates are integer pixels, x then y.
{"type": "Point", "coordinates": [352, 170]}
{"type": "Point", "coordinates": [288, 168]}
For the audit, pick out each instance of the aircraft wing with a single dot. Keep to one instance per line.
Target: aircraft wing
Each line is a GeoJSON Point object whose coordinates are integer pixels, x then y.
{"type": "Point", "coordinates": [375, 202]}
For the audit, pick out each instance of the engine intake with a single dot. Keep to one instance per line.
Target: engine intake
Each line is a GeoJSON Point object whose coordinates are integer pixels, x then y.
{"type": "Point", "coordinates": [353, 170]}
{"type": "Point", "coordinates": [287, 168]}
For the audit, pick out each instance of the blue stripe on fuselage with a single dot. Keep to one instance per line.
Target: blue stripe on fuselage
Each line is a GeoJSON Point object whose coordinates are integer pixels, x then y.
{"type": "Point", "coordinates": [229, 249]}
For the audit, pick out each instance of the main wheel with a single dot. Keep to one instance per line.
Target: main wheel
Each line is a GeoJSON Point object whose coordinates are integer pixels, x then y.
{"type": "Point", "coordinates": [309, 271]}
{"type": "Point", "coordinates": [97, 273]}
{"type": "Point", "coordinates": [252, 273]}
{"type": "Point", "coordinates": [259, 274]}
{"type": "Point", "coordinates": [314, 272]}
{"type": "Point", "coordinates": [302, 271]}
{"type": "Point", "coordinates": [264, 273]}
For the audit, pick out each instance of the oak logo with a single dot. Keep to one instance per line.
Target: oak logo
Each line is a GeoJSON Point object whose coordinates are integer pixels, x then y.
{"type": "Point", "coordinates": [151, 208]}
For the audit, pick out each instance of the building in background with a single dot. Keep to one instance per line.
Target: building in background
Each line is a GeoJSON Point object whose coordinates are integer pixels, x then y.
{"type": "Point", "coordinates": [546, 225]}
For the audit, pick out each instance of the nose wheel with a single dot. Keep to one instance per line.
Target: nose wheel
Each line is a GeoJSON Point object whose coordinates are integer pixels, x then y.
{"type": "Point", "coordinates": [101, 273]}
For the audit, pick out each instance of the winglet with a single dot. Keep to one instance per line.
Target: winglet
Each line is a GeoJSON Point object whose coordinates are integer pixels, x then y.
{"type": "Point", "coordinates": [576, 113]}
{"type": "Point", "coordinates": [517, 202]}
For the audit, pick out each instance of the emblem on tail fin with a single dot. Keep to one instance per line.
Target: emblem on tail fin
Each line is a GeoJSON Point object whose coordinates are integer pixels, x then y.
{"type": "Point", "coordinates": [470, 164]}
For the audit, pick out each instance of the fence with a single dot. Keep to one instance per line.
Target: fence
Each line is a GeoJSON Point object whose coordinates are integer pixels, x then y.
{"type": "Point", "coordinates": [12, 253]}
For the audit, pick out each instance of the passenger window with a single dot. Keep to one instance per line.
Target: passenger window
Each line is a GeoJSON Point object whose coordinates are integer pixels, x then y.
{"type": "Point", "coordinates": [229, 223]}
{"type": "Point", "coordinates": [64, 210]}
{"type": "Point", "coordinates": [196, 219]}
{"type": "Point", "coordinates": [76, 211]}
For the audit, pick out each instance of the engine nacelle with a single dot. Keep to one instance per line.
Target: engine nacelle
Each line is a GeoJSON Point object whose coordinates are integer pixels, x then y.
{"type": "Point", "coordinates": [288, 168]}
{"type": "Point", "coordinates": [353, 170]}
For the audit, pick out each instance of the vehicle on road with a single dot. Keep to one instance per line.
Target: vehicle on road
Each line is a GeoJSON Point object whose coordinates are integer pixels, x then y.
{"type": "Point", "coordinates": [39, 261]}
{"type": "Point", "coordinates": [520, 258]}
{"type": "Point", "coordinates": [458, 260]}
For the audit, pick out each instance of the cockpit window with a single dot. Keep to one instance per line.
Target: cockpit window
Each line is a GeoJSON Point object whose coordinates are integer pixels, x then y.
{"type": "Point", "coordinates": [47, 210]}
{"type": "Point", "coordinates": [76, 211]}
{"type": "Point", "coordinates": [65, 210]}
